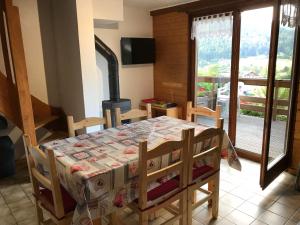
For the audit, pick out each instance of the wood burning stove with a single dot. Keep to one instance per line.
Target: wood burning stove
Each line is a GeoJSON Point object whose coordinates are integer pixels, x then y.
{"type": "Point", "coordinates": [113, 76]}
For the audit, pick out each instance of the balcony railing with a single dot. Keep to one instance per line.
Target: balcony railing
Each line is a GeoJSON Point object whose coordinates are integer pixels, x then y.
{"type": "Point", "coordinates": [253, 103]}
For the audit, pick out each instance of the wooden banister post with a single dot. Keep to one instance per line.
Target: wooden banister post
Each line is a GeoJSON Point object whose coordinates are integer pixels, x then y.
{"type": "Point", "coordinates": [20, 70]}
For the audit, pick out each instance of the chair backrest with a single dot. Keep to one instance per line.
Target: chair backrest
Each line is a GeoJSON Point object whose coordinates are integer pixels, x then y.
{"type": "Point", "coordinates": [179, 166]}
{"type": "Point", "coordinates": [51, 182]}
{"type": "Point", "coordinates": [203, 111]}
{"type": "Point", "coordinates": [133, 114]}
{"type": "Point", "coordinates": [204, 150]}
{"type": "Point", "coordinates": [88, 122]}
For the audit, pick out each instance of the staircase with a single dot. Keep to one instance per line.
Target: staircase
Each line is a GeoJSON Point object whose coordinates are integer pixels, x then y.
{"type": "Point", "coordinates": [16, 103]}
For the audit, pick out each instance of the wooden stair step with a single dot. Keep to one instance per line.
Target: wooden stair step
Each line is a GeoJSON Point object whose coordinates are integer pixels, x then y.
{"type": "Point", "coordinates": [44, 122]}
{"type": "Point", "coordinates": [54, 136]}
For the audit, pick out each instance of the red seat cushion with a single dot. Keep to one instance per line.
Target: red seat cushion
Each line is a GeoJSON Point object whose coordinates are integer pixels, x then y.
{"type": "Point", "coordinates": [199, 171]}
{"type": "Point", "coordinates": [163, 189]}
{"type": "Point", "coordinates": [46, 199]}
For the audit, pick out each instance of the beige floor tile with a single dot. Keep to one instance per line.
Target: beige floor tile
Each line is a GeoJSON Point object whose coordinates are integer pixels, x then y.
{"type": "Point", "coordinates": [291, 223]}
{"type": "Point", "coordinates": [157, 221]}
{"type": "Point", "coordinates": [224, 210]}
{"type": "Point", "coordinates": [263, 202]}
{"type": "Point", "coordinates": [242, 192]}
{"type": "Point", "coordinates": [231, 200]}
{"type": "Point", "coordinates": [1, 200]}
{"type": "Point", "coordinates": [282, 210]}
{"type": "Point", "coordinates": [296, 216]}
{"type": "Point", "coordinates": [205, 217]}
{"type": "Point", "coordinates": [239, 217]}
{"type": "Point", "coordinates": [13, 193]}
{"type": "Point", "coordinates": [225, 221]}
{"type": "Point", "coordinates": [195, 222]}
{"type": "Point", "coordinates": [6, 217]}
{"type": "Point", "coordinates": [24, 214]}
{"type": "Point", "coordinates": [28, 222]}
{"type": "Point", "coordinates": [4, 211]}
{"type": "Point", "coordinates": [271, 218]}
{"type": "Point", "coordinates": [290, 198]}
{"type": "Point", "coordinates": [199, 209]}
{"type": "Point", "coordinates": [8, 220]}
{"type": "Point", "coordinates": [20, 205]}
{"type": "Point", "coordinates": [257, 222]}
{"type": "Point", "coordinates": [251, 209]}
{"type": "Point", "coordinates": [227, 186]}
{"type": "Point", "coordinates": [166, 215]}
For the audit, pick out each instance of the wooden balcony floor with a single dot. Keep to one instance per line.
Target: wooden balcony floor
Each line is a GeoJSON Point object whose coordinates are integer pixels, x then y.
{"type": "Point", "coordinates": [250, 133]}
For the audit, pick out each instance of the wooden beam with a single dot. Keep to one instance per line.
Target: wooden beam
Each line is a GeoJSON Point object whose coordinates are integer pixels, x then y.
{"type": "Point", "coordinates": [235, 61]}
{"type": "Point", "coordinates": [20, 70]}
{"type": "Point", "coordinates": [208, 7]}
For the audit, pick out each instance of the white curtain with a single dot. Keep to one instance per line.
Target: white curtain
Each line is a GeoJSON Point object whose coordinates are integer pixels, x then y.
{"type": "Point", "coordinates": [216, 25]}
{"type": "Point", "coordinates": [290, 13]}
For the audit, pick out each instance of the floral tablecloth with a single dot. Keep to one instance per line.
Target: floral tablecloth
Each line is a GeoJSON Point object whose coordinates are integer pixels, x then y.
{"type": "Point", "coordinates": [100, 169]}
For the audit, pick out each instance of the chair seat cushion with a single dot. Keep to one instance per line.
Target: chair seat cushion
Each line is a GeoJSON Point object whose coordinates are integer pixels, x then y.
{"type": "Point", "coordinates": [163, 189]}
{"type": "Point", "coordinates": [46, 199]}
{"type": "Point", "coordinates": [201, 170]}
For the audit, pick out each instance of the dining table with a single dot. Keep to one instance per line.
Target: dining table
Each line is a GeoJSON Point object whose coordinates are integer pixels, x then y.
{"type": "Point", "coordinates": [100, 169]}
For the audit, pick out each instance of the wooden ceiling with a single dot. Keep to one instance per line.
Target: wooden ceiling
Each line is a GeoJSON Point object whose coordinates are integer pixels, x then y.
{"type": "Point", "coordinates": [203, 7]}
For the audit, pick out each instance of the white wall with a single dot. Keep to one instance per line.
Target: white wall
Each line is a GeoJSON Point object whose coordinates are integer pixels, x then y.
{"type": "Point", "coordinates": [33, 48]}
{"type": "Point", "coordinates": [46, 21]}
{"type": "Point", "coordinates": [110, 10]}
{"type": "Point", "coordinates": [136, 82]}
{"type": "Point", "coordinates": [68, 57]}
{"type": "Point", "coordinates": [90, 78]}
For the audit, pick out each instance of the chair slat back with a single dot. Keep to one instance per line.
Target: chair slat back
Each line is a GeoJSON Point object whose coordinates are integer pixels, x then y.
{"type": "Point", "coordinates": [203, 111]}
{"type": "Point", "coordinates": [210, 143]}
{"type": "Point", "coordinates": [179, 167]}
{"type": "Point", "coordinates": [88, 122]}
{"type": "Point", "coordinates": [39, 180]}
{"type": "Point", "coordinates": [133, 114]}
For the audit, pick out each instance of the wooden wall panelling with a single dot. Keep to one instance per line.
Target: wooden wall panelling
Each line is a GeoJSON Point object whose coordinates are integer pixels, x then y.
{"type": "Point", "coordinates": [171, 33]}
{"type": "Point", "coordinates": [295, 156]}
{"type": "Point", "coordinates": [209, 7]}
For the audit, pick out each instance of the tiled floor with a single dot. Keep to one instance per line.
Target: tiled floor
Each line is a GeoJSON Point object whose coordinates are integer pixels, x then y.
{"type": "Point", "coordinates": [241, 200]}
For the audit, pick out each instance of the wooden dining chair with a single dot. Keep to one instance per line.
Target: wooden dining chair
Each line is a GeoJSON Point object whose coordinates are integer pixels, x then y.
{"type": "Point", "coordinates": [88, 122]}
{"type": "Point", "coordinates": [204, 168]}
{"type": "Point", "coordinates": [49, 194]}
{"type": "Point", "coordinates": [203, 111]}
{"type": "Point", "coordinates": [167, 191]}
{"type": "Point", "coordinates": [133, 114]}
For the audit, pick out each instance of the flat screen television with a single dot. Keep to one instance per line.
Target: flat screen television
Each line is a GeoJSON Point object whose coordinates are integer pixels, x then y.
{"type": "Point", "coordinates": [137, 50]}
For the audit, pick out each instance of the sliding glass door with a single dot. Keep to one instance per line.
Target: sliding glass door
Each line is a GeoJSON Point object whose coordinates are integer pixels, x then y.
{"type": "Point", "coordinates": [250, 71]}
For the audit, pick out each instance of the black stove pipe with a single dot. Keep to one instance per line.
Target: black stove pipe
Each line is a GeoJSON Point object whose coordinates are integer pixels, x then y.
{"type": "Point", "coordinates": [113, 68]}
